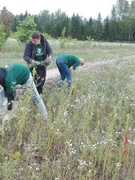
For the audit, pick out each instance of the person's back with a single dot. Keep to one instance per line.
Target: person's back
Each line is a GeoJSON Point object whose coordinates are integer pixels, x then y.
{"type": "Point", "coordinates": [71, 60]}
{"type": "Point", "coordinates": [13, 74]}
{"type": "Point", "coordinates": [66, 64]}
{"type": "Point", "coordinates": [16, 74]}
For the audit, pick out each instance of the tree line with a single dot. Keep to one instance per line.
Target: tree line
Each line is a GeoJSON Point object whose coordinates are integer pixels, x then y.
{"type": "Point", "coordinates": [119, 26]}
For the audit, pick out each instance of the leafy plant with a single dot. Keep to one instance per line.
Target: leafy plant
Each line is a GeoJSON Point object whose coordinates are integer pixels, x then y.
{"type": "Point", "coordinates": [25, 29]}
{"type": "Point", "coordinates": [2, 36]}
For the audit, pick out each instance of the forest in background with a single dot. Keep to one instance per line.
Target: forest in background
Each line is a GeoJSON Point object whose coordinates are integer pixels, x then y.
{"type": "Point", "coordinates": [118, 27]}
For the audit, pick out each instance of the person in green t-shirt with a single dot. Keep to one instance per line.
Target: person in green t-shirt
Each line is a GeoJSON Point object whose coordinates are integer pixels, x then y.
{"type": "Point", "coordinates": [14, 74]}
{"type": "Point", "coordinates": [66, 64]}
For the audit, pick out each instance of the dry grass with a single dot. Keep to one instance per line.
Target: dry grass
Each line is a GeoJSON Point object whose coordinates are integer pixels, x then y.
{"type": "Point", "coordinates": [89, 133]}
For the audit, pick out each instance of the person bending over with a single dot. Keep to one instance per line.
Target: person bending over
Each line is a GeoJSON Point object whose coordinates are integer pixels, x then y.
{"type": "Point", "coordinates": [66, 64]}
{"type": "Point", "coordinates": [14, 74]}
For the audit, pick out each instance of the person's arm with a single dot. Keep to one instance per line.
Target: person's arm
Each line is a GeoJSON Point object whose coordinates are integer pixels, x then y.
{"type": "Point", "coordinates": [78, 62]}
{"type": "Point", "coordinates": [10, 90]}
{"type": "Point", "coordinates": [10, 98]}
{"type": "Point", "coordinates": [71, 69]}
{"type": "Point", "coordinates": [49, 54]}
{"type": "Point", "coordinates": [27, 53]}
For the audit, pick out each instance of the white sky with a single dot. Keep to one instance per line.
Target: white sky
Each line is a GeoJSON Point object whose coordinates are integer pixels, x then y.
{"type": "Point", "coordinates": [84, 8]}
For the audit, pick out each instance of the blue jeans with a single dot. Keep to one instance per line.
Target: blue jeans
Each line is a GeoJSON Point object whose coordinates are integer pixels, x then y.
{"type": "Point", "coordinates": [64, 72]}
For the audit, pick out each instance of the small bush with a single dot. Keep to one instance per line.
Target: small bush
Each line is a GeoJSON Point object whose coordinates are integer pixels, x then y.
{"type": "Point", "coordinates": [2, 36]}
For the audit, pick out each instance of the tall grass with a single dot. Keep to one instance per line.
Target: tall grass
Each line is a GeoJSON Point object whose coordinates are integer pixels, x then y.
{"type": "Point", "coordinates": [90, 131]}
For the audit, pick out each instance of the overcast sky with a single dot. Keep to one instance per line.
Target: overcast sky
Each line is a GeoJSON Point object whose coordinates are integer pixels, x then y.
{"type": "Point", "coordinates": [84, 8]}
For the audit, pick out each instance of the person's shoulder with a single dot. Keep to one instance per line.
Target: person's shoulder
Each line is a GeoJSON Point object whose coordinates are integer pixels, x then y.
{"type": "Point", "coordinates": [43, 39]}
{"type": "Point", "coordinates": [71, 56]}
{"type": "Point", "coordinates": [20, 66]}
{"type": "Point", "coordinates": [29, 43]}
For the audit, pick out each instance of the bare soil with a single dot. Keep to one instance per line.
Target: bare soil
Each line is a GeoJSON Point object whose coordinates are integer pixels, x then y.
{"type": "Point", "coordinates": [52, 76]}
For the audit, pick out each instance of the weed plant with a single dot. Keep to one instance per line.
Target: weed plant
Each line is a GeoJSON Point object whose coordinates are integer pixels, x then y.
{"type": "Point", "coordinates": [90, 131]}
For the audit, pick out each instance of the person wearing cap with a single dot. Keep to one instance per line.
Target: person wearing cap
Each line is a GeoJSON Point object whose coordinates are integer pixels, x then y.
{"type": "Point", "coordinates": [38, 55]}
{"type": "Point", "coordinates": [14, 74]}
{"type": "Point", "coordinates": [66, 64]}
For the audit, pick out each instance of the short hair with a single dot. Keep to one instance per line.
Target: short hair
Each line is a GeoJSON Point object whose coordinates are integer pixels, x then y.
{"type": "Point", "coordinates": [35, 35]}
{"type": "Point", "coordinates": [81, 61]}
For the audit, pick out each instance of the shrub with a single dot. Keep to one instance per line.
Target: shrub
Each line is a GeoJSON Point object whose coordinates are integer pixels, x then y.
{"type": "Point", "coordinates": [2, 36]}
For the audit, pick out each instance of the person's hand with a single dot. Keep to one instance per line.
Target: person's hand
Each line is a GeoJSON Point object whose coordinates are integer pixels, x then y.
{"type": "Point", "coordinates": [71, 69]}
{"type": "Point", "coordinates": [33, 64]}
{"type": "Point", "coordinates": [46, 62]}
{"type": "Point", "coordinates": [42, 63]}
{"type": "Point", "coordinates": [36, 63]}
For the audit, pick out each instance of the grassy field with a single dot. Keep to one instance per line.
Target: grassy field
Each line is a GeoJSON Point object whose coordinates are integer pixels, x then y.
{"type": "Point", "coordinates": [90, 133]}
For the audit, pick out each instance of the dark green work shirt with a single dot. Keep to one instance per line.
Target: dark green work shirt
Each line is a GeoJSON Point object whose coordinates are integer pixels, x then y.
{"type": "Point", "coordinates": [16, 74]}
{"type": "Point", "coordinates": [71, 60]}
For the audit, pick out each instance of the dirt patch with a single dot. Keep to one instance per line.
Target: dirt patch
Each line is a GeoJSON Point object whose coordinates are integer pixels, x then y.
{"type": "Point", "coordinates": [52, 76]}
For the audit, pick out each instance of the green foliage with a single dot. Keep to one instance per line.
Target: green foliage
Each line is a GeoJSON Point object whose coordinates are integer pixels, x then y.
{"type": "Point", "coordinates": [76, 27]}
{"type": "Point", "coordinates": [63, 39]}
{"type": "Point", "coordinates": [62, 42]}
{"type": "Point", "coordinates": [7, 19]}
{"type": "Point", "coordinates": [25, 29]}
{"type": "Point", "coordinates": [63, 32]}
{"type": "Point", "coordinates": [119, 26]}
{"type": "Point", "coordinates": [47, 36]}
{"type": "Point", "coordinates": [2, 36]}
{"type": "Point", "coordinates": [89, 38]}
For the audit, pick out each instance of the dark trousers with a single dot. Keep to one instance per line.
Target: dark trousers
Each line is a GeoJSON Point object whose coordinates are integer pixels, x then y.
{"type": "Point", "coordinates": [40, 77]}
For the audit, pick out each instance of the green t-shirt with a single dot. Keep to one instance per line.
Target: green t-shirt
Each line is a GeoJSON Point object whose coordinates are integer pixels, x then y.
{"type": "Point", "coordinates": [71, 60]}
{"type": "Point", "coordinates": [39, 56]}
{"type": "Point", "coordinates": [16, 74]}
